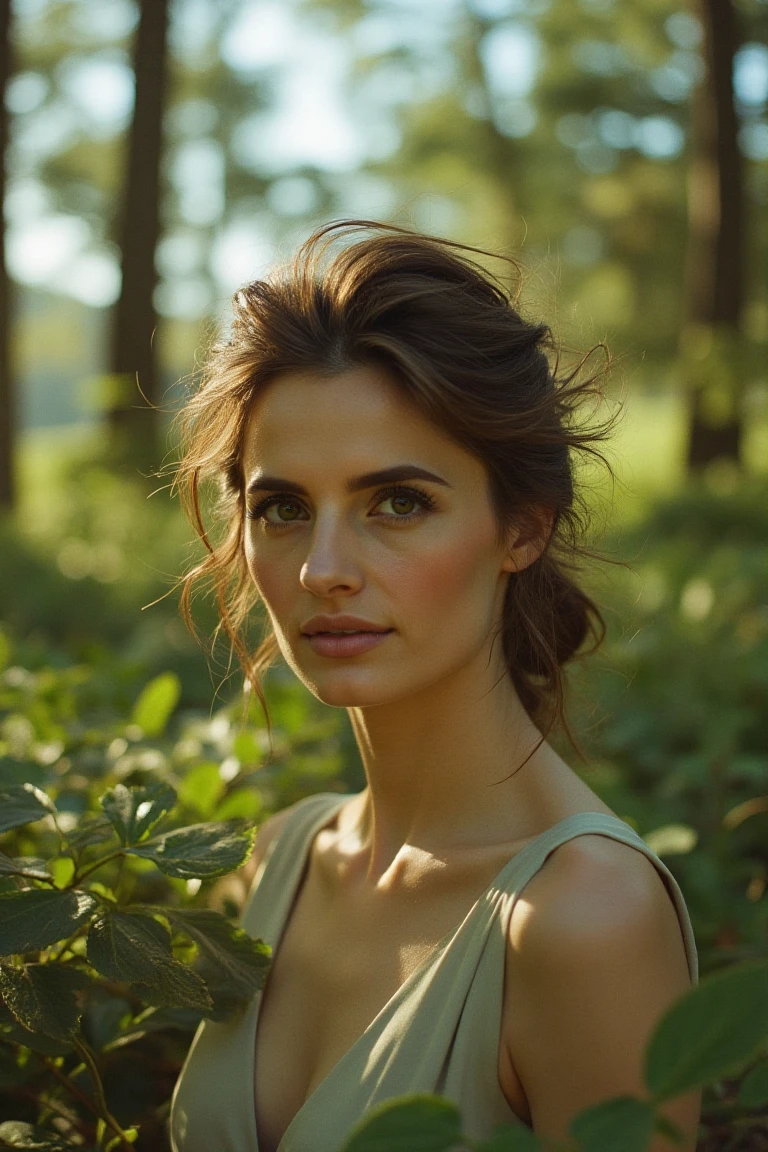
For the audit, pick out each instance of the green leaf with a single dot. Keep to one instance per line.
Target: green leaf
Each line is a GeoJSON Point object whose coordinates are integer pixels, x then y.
{"type": "Point", "coordinates": [156, 1020]}
{"type": "Point", "coordinates": [200, 850]}
{"type": "Point", "coordinates": [201, 787]}
{"type": "Point", "coordinates": [17, 1134]}
{"type": "Point", "coordinates": [245, 802]}
{"type": "Point", "coordinates": [31, 867]}
{"type": "Point", "coordinates": [133, 812]}
{"type": "Point", "coordinates": [21, 804]}
{"type": "Point", "coordinates": [45, 997]}
{"type": "Point", "coordinates": [15, 773]}
{"type": "Point", "coordinates": [156, 702]}
{"type": "Point", "coordinates": [511, 1138]}
{"type": "Point", "coordinates": [624, 1124]}
{"type": "Point", "coordinates": [12, 1030]}
{"type": "Point", "coordinates": [37, 918]}
{"type": "Point", "coordinates": [710, 1032]}
{"type": "Point", "coordinates": [247, 748]}
{"type": "Point", "coordinates": [92, 829]}
{"type": "Point", "coordinates": [419, 1122]}
{"type": "Point", "coordinates": [672, 839]}
{"type": "Point", "coordinates": [234, 964]}
{"type": "Point", "coordinates": [62, 870]}
{"type": "Point", "coordinates": [134, 947]}
{"type": "Point", "coordinates": [753, 1090]}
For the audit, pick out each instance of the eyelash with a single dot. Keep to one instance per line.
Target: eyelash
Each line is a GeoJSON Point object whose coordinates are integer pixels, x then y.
{"type": "Point", "coordinates": [424, 498]}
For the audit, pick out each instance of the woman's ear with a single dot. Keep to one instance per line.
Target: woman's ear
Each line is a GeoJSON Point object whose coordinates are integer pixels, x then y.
{"type": "Point", "coordinates": [528, 538]}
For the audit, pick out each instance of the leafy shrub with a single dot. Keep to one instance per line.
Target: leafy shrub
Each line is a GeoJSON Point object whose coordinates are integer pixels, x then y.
{"type": "Point", "coordinates": [112, 830]}
{"type": "Point", "coordinates": [680, 741]}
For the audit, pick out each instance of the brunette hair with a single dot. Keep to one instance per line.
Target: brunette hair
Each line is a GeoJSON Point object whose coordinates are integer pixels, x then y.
{"type": "Point", "coordinates": [452, 339]}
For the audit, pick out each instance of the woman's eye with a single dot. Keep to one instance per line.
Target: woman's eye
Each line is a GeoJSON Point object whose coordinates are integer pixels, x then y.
{"type": "Point", "coordinates": [408, 504]}
{"type": "Point", "coordinates": [397, 503]}
{"type": "Point", "coordinates": [280, 503]}
{"type": "Point", "coordinates": [403, 501]}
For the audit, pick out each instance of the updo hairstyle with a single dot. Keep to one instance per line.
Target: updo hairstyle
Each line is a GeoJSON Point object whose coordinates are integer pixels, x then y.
{"type": "Point", "coordinates": [453, 340]}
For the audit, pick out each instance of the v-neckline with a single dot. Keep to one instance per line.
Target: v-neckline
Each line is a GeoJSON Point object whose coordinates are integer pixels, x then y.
{"type": "Point", "coordinates": [325, 818]}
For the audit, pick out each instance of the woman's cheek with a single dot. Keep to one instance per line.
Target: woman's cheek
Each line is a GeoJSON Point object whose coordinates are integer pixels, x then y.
{"type": "Point", "coordinates": [266, 580]}
{"type": "Point", "coordinates": [443, 576]}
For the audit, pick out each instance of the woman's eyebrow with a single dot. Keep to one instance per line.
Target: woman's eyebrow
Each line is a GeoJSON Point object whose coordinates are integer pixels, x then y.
{"type": "Point", "coordinates": [357, 484]}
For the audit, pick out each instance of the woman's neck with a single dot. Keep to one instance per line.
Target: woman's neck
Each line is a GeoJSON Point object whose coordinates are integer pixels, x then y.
{"type": "Point", "coordinates": [431, 760]}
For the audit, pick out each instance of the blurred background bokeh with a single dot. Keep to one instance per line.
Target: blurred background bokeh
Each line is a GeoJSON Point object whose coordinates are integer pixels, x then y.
{"type": "Point", "coordinates": [160, 153]}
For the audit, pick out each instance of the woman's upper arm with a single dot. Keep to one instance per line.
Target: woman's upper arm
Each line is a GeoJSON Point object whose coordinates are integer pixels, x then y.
{"type": "Point", "coordinates": [595, 957]}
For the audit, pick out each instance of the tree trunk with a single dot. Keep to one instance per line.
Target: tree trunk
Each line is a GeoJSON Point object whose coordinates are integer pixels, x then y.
{"type": "Point", "coordinates": [497, 150]}
{"type": "Point", "coordinates": [134, 425]}
{"type": "Point", "coordinates": [7, 383]}
{"type": "Point", "coordinates": [716, 254]}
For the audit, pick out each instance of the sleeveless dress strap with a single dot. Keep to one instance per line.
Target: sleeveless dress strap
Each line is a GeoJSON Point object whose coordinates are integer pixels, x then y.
{"type": "Point", "coordinates": [474, 1045]}
{"type": "Point", "coordinates": [269, 900]}
{"type": "Point", "coordinates": [527, 863]}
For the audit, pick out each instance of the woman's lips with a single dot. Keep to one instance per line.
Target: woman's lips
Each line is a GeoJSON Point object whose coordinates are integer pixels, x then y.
{"type": "Point", "coordinates": [328, 644]}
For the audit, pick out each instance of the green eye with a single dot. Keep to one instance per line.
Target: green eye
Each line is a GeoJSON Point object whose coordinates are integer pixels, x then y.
{"type": "Point", "coordinates": [287, 504]}
{"type": "Point", "coordinates": [399, 494]}
{"type": "Point", "coordinates": [401, 499]}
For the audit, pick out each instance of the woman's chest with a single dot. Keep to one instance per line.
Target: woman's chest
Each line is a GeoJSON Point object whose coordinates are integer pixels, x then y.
{"type": "Point", "coordinates": [332, 976]}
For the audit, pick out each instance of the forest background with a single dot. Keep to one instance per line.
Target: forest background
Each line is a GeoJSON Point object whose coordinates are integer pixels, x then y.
{"type": "Point", "coordinates": [159, 154]}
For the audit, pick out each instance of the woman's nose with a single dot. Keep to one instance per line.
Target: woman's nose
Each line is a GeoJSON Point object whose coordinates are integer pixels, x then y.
{"type": "Point", "coordinates": [330, 563]}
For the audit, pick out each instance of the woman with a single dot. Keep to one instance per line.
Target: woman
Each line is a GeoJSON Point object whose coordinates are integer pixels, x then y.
{"type": "Point", "coordinates": [396, 464]}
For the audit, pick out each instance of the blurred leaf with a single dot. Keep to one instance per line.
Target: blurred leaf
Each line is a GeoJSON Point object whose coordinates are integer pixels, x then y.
{"type": "Point", "coordinates": [753, 1090]}
{"type": "Point", "coordinates": [201, 787]}
{"type": "Point", "coordinates": [62, 870]}
{"type": "Point", "coordinates": [44, 997]}
{"type": "Point", "coordinates": [37, 918]}
{"type": "Point", "coordinates": [621, 1125]}
{"type": "Point", "coordinates": [419, 1122]}
{"type": "Point", "coordinates": [133, 812]}
{"type": "Point", "coordinates": [672, 840]}
{"type": "Point", "coordinates": [17, 1134]}
{"type": "Point", "coordinates": [156, 702]}
{"type": "Point", "coordinates": [16, 773]}
{"type": "Point", "coordinates": [244, 802]}
{"type": "Point", "coordinates": [710, 1032]}
{"type": "Point", "coordinates": [511, 1138]}
{"type": "Point", "coordinates": [22, 804]}
{"type": "Point", "coordinates": [136, 948]}
{"type": "Point", "coordinates": [157, 1020]}
{"type": "Point", "coordinates": [200, 850]}
{"type": "Point", "coordinates": [247, 748]}
{"type": "Point", "coordinates": [106, 1013]}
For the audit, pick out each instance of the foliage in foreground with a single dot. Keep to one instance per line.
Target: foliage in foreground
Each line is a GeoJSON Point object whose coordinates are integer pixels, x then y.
{"type": "Point", "coordinates": [101, 951]}
{"type": "Point", "coordinates": [112, 830]}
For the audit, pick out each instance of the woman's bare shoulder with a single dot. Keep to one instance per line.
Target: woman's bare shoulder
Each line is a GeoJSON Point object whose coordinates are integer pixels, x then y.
{"type": "Point", "coordinates": [595, 957]}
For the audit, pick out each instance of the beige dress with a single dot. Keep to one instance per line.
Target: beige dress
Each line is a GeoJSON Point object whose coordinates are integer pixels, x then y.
{"type": "Point", "coordinates": [439, 1033]}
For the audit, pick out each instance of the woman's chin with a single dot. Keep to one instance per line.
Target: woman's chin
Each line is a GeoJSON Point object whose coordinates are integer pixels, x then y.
{"type": "Point", "coordinates": [346, 688]}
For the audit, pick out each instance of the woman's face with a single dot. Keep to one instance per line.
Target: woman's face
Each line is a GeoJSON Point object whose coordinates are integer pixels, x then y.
{"type": "Point", "coordinates": [413, 554]}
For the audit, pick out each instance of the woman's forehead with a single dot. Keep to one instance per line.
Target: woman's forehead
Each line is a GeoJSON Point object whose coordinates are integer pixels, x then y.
{"type": "Point", "coordinates": [357, 416]}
